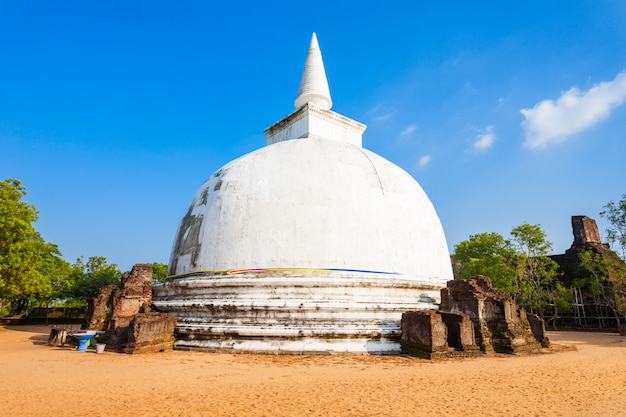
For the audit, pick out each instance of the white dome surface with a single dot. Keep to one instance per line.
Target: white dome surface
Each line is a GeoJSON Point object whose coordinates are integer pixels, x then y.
{"type": "Point", "coordinates": [312, 203]}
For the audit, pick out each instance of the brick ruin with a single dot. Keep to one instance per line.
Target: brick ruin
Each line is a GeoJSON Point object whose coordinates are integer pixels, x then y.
{"type": "Point", "coordinates": [473, 317]}
{"type": "Point", "coordinates": [123, 312]}
{"type": "Point", "coordinates": [585, 231]}
{"type": "Point", "coordinates": [588, 309]}
{"type": "Point", "coordinates": [500, 325]}
{"type": "Point", "coordinates": [586, 237]}
{"type": "Point", "coordinates": [435, 334]}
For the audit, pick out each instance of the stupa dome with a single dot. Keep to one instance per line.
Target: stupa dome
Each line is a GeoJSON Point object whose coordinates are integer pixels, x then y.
{"type": "Point", "coordinates": [312, 203]}
{"type": "Point", "coordinates": [311, 243]}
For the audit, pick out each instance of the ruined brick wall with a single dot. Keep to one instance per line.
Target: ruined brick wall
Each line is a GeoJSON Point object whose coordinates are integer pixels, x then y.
{"type": "Point", "coordinates": [124, 313]}
{"type": "Point", "coordinates": [100, 309]}
{"type": "Point", "coordinates": [435, 334]}
{"type": "Point", "coordinates": [424, 330]}
{"type": "Point", "coordinates": [499, 324]}
{"type": "Point", "coordinates": [133, 296]}
{"type": "Point", "coordinates": [150, 332]}
{"type": "Point", "coordinates": [468, 297]}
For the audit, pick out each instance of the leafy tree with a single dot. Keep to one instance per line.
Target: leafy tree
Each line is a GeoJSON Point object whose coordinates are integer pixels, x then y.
{"type": "Point", "coordinates": [59, 274]}
{"type": "Point", "coordinates": [519, 266]}
{"type": "Point", "coordinates": [159, 272]}
{"type": "Point", "coordinates": [603, 278]}
{"type": "Point", "coordinates": [487, 254]}
{"type": "Point", "coordinates": [536, 284]}
{"type": "Point", "coordinates": [24, 254]}
{"type": "Point", "coordinates": [616, 234]}
{"type": "Point", "coordinates": [91, 276]}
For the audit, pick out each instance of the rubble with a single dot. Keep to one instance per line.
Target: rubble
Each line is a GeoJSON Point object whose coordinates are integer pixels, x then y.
{"type": "Point", "coordinates": [124, 313]}
{"type": "Point", "coordinates": [473, 316]}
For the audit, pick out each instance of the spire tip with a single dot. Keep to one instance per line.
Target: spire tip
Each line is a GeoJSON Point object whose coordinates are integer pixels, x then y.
{"type": "Point", "coordinates": [313, 84]}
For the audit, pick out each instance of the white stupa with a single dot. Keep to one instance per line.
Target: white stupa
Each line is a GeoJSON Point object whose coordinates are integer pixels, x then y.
{"type": "Point", "coordinates": [309, 244]}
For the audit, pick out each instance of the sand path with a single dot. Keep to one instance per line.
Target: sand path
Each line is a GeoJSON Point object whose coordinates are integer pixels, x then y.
{"type": "Point", "coordinates": [39, 380]}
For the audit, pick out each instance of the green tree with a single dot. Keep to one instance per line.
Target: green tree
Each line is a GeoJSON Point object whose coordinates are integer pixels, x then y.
{"type": "Point", "coordinates": [24, 254]}
{"type": "Point", "coordinates": [616, 233]}
{"type": "Point", "coordinates": [605, 279]}
{"type": "Point", "coordinates": [159, 272]}
{"type": "Point", "coordinates": [536, 285]}
{"type": "Point", "coordinates": [91, 276]}
{"type": "Point", "coordinates": [519, 266]}
{"type": "Point", "coordinates": [487, 254]}
{"type": "Point", "coordinates": [59, 274]}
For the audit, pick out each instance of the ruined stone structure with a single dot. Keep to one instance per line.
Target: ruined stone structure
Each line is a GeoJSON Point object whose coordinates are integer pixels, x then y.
{"type": "Point", "coordinates": [436, 334]}
{"type": "Point", "coordinates": [100, 309]}
{"type": "Point", "coordinates": [589, 308]}
{"type": "Point", "coordinates": [133, 295]}
{"type": "Point", "coordinates": [124, 314]}
{"type": "Point", "coordinates": [586, 237]}
{"type": "Point", "coordinates": [585, 231]}
{"type": "Point", "coordinates": [499, 324]}
{"type": "Point", "coordinates": [309, 244]}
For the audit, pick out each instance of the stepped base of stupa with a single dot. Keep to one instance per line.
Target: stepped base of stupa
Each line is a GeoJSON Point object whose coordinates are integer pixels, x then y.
{"type": "Point", "coordinates": [293, 311]}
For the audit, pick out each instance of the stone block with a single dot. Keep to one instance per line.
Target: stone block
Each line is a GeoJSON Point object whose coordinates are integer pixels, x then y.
{"type": "Point", "coordinates": [424, 330]}
{"type": "Point", "coordinates": [150, 332]}
{"type": "Point", "coordinates": [435, 334]}
{"type": "Point", "coordinates": [117, 333]}
{"type": "Point", "coordinates": [585, 231]}
{"type": "Point", "coordinates": [538, 328]}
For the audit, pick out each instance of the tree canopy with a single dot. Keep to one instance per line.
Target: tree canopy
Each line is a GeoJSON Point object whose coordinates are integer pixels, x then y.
{"type": "Point", "coordinates": [28, 264]}
{"type": "Point", "coordinates": [519, 266]}
{"type": "Point", "coordinates": [89, 277]}
{"type": "Point", "coordinates": [615, 213]}
{"type": "Point", "coordinates": [159, 272]}
{"type": "Point", "coordinates": [31, 269]}
{"type": "Point", "coordinates": [487, 254]}
{"type": "Point", "coordinates": [537, 287]}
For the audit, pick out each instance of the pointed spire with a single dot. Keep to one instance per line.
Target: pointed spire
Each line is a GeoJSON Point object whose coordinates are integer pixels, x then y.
{"type": "Point", "coordinates": [313, 84]}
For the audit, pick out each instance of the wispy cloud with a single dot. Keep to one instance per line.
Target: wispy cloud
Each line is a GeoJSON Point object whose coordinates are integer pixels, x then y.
{"type": "Point", "coordinates": [379, 114]}
{"type": "Point", "coordinates": [383, 117]}
{"type": "Point", "coordinates": [408, 130]}
{"type": "Point", "coordinates": [550, 121]}
{"type": "Point", "coordinates": [423, 161]}
{"type": "Point", "coordinates": [484, 139]}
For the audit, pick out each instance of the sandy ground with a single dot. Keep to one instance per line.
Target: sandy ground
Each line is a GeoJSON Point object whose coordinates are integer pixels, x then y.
{"type": "Point", "coordinates": [586, 379]}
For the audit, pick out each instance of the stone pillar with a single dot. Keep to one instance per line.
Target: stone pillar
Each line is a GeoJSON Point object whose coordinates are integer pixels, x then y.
{"type": "Point", "coordinates": [423, 333]}
{"type": "Point", "coordinates": [585, 230]}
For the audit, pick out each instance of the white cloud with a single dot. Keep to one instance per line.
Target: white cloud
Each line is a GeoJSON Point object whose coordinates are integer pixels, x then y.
{"type": "Point", "coordinates": [552, 121]}
{"type": "Point", "coordinates": [408, 130]}
{"type": "Point", "coordinates": [378, 114]}
{"type": "Point", "coordinates": [484, 139]}
{"type": "Point", "coordinates": [383, 117]}
{"type": "Point", "coordinates": [423, 161]}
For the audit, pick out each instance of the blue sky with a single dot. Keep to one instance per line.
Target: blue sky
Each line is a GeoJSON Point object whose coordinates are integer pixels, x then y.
{"type": "Point", "coordinates": [113, 113]}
